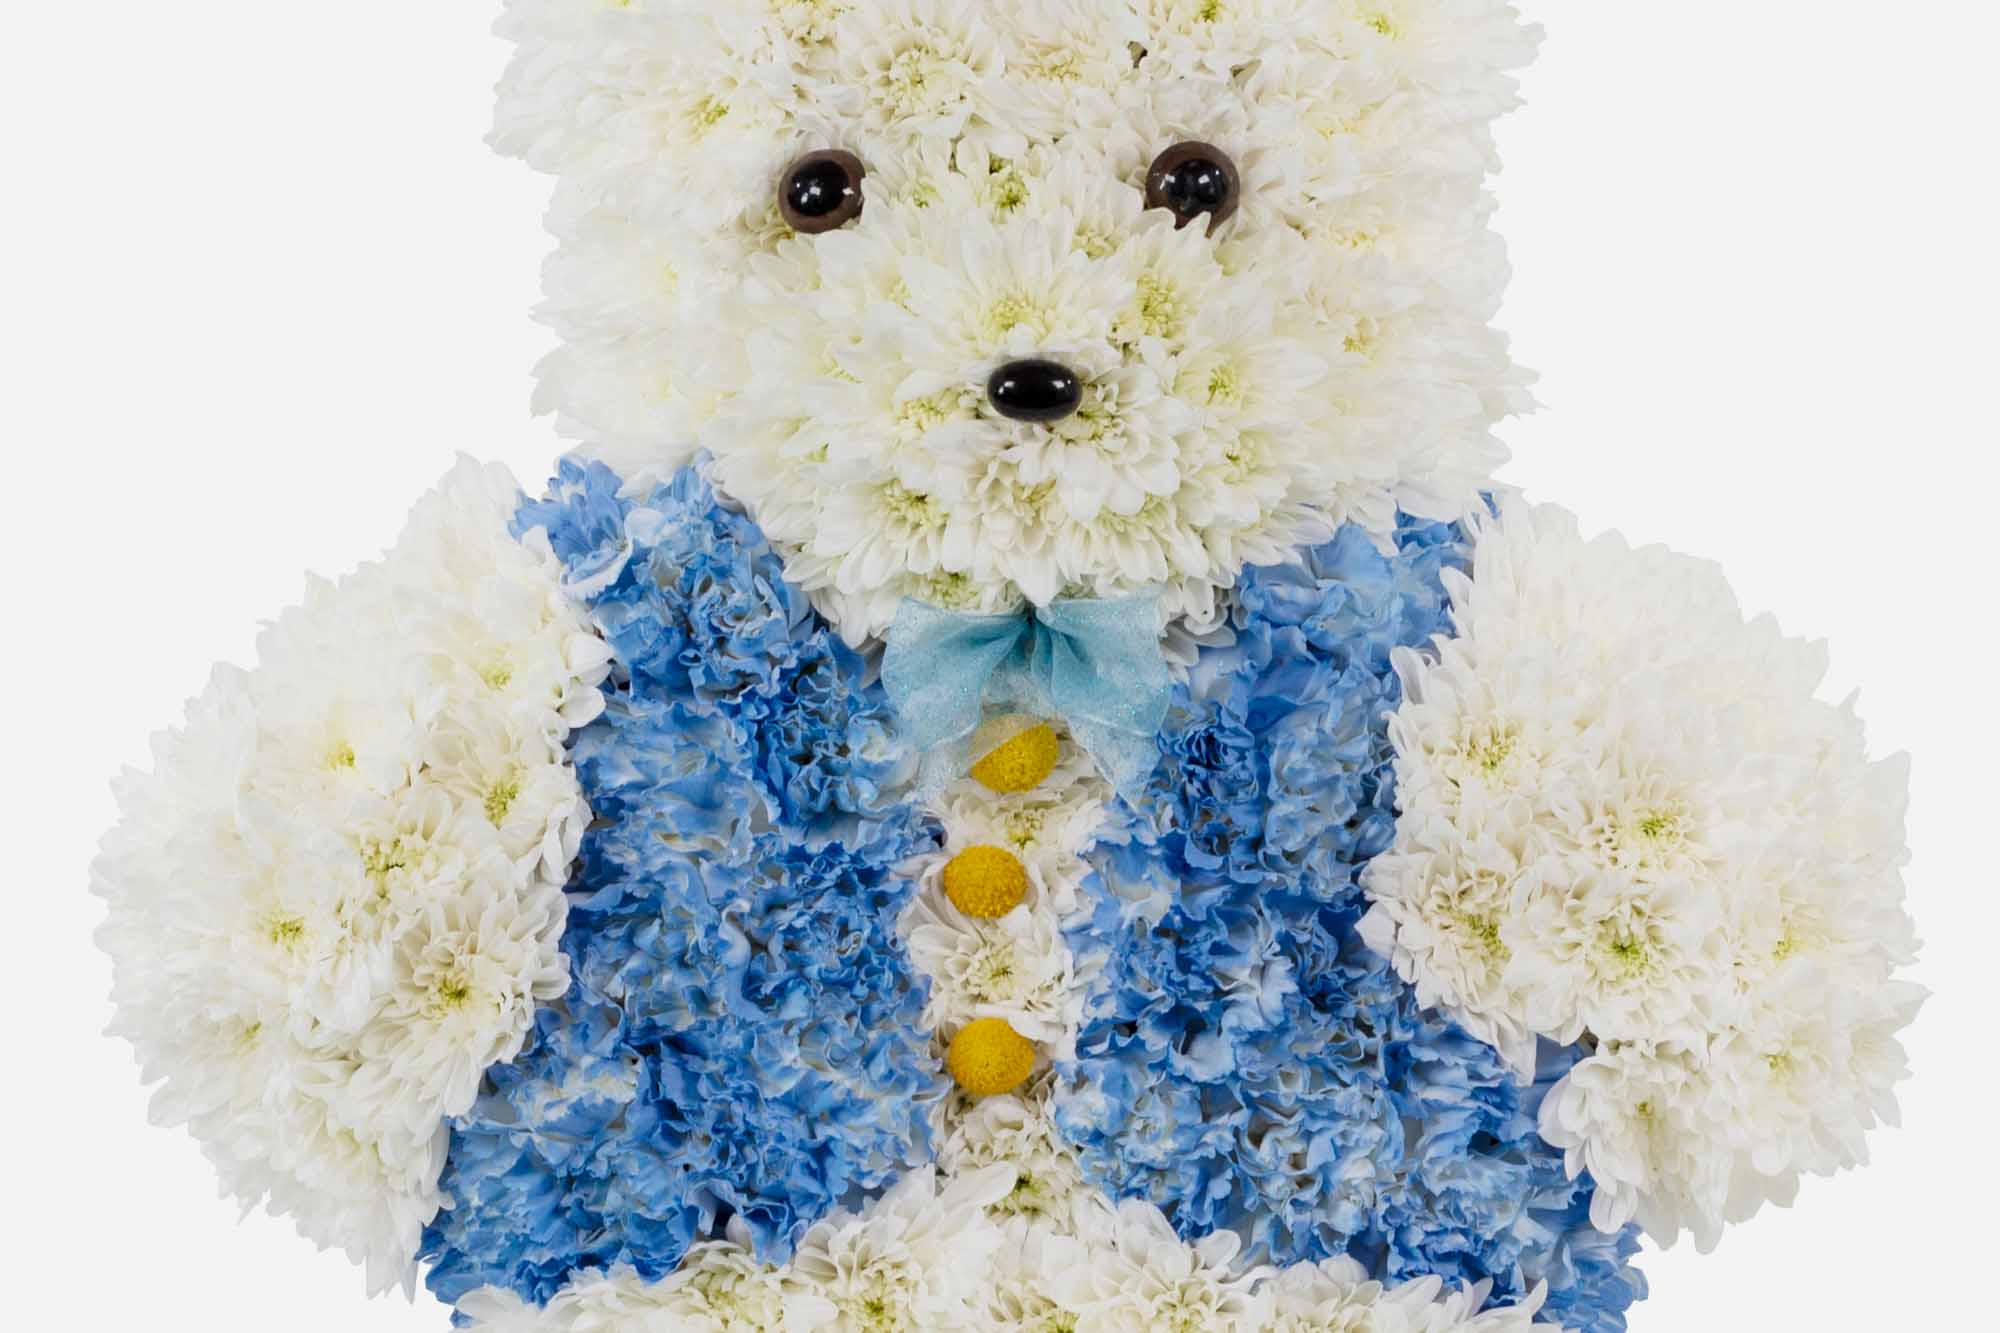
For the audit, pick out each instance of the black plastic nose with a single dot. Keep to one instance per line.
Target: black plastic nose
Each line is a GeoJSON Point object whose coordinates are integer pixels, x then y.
{"type": "Point", "coordinates": [1041, 391]}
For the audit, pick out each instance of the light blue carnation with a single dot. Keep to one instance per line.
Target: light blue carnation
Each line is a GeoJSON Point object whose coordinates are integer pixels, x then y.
{"type": "Point", "coordinates": [741, 1038]}
{"type": "Point", "coordinates": [1244, 1061]}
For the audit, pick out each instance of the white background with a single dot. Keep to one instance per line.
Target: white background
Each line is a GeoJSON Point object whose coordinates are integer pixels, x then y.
{"type": "Point", "coordinates": [261, 281]}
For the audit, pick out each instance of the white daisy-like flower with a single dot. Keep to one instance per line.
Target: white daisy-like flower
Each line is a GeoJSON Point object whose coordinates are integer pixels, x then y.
{"type": "Point", "coordinates": [1216, 37]}
{"type": "Point", "coordinates": [916, 1259]}
{"type": "Point", "coordinates": [1631, 1114]}
{"type": "Point", "coordinates": [1067, 61]}
{"type": "Point", "coordinates": [525, 791]}
{"type": "Point", "coordinates": [720, 1287]}
{"type": "Point", "coordinates": [1324, 356]}
{"type": "Point", "coordinates": [913, 68]}
{"type": "Point", "coordinates": [336, 899]}
{"type": "Point", "coordinates": [1019, 1295]}
{"type": "Point", "coordinates": [466, 978]}
{"type": "Point", "coordinates": [1615, 957]}
{"type": "Point", "coordinates": [1015, 1130]}
{"type": "Point", "coordinates": [1625, 818]}
{"type": "Point", "coordinates": [1134, 1275]}
{"type": "Point", "coordinates": [1016, 968]}
{"type": "Point", "coordinates": [494, 1310]}
{"type": "Point", "coordinates": [1335, 1296]}
{"type": "Point", "coordinates": [1450, 937]}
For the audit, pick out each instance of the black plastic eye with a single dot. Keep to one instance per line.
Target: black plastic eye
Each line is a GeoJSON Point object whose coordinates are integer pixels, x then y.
{"type": "Point", "coordinates": [1192, 180]}
{"type": "Point", "coordinates": [1038, 391]}
{"type": "Point", "coordinates": [821, 191]}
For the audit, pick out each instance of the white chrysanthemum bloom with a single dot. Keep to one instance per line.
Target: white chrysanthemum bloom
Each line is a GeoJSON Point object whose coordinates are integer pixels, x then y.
{"type": "Point", "coordinates": [484, 763]}
{"type": "Point", "coordinates": [719, 1288]}
{"type": "Point", "coordinates": [1616, 957]}
{"type": "Point", "coordinates": [1625, 817]}
{"type": "Point", "coordinates": [1015, 1130]}
{"type": "Point", "coordinates": [467, 975]}
{"type": "Point", "coordinates": [1325, 356]}
{"type": "Point", "coordinates": [1017, 968]}
{"type": "Point", "coordinates": [918, 1258]}
{"type": "Point", "coordinates": [336, 899]}
{"type": "Point", "coordinates": [1335, 1296]}
{"type": "Point", "coordinates": [1066, 65]}
{"type": "Point", "coordinates": [907, 69]}
{"type": "Point", "coordinates": [1019, 1296]}
{"type": "Point", "coordinates": [1132, 1274]}
{"type": "Point", "coordinates": [493, 1310]}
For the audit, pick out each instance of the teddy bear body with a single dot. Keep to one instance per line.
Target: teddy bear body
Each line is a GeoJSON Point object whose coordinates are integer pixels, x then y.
{"type": "Point", "coordinates": [1024, 774]}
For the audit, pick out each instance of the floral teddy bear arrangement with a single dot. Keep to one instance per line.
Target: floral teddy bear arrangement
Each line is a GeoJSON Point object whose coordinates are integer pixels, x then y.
{"type": "Point", "coordinates": [1024, 775]}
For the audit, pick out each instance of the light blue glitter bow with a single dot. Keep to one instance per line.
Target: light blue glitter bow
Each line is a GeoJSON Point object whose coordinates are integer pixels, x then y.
{"type": "Point", "coordinates": [1094, 663]}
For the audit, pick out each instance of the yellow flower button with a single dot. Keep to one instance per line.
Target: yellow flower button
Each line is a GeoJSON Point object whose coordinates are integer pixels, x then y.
{"type": "Point", "coordinates": [986, 882]}
{"type": "Point", "coordinates": [988, 1057]}
{"type": "Point", "coordinates": [1022, 763]}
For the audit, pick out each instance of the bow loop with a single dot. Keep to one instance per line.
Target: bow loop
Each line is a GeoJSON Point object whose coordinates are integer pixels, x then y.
{"type": "Point", "coordinates": [1096, 664]}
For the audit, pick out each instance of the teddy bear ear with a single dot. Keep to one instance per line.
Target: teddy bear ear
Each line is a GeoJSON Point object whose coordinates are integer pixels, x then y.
{"type": "Point", "coordinates": [576, 71]}
{"type": "Point", "coordinates": [604, 87]}
{"type": "Point", "coordinates": [670, 111]}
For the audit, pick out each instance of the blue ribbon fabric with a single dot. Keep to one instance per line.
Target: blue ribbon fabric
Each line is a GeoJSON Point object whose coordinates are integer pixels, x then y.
{"type": "Point", "coordinates": [1094, 663]}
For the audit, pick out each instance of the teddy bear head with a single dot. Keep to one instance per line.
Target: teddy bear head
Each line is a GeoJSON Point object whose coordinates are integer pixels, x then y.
{"type": "Point", "coordinates": [975, 303]}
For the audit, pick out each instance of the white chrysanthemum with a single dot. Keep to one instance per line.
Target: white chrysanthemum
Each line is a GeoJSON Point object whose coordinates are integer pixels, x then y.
{"type": "Point", "coordinates": [1134, 1275]}
{"type": "Point", "coordinates": [1017, 968]}
{"type": "Point", "coordinates": [1335, 1296]}
{"type": "Point", "coordinates": [1066, 64]}
{"type": "Point", "coordinates": [1615, 957]}
{"type": "Point", "coordinates": [720, 1287]}
{"type": "Point", "coordinates": [1015, 1130]}
{"type": "Point", "coordinates": [1625, 817]}
{"type": "Point", "coordinates": [1019, 1296]}
{"type": "Point", "coordinates": [1325, 356]}
{"type": "Point", "coordinates": [336, 898]}
{"type": "Point", "coordinates": [913, 69]}
{"type": "Point", "coordinates": [917, 1259]}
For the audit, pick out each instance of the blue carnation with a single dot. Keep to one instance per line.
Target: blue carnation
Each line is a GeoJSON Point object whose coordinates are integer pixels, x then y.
{"type": "Point", "coordinates": [741, 1038]}
{"type": "Point", "coordinates": [1277, 759]}
{"type": "Point", "coordinates": [1245, 1062]}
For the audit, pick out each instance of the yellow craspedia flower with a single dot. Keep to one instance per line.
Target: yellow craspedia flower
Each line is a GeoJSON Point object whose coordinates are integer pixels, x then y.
{"type": "Point", "coordinates": [1022, 763]}
{"type": "Point", "coordinates": [988, 1057]}
{"type": "Point", "coordinates": [986, 882]}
